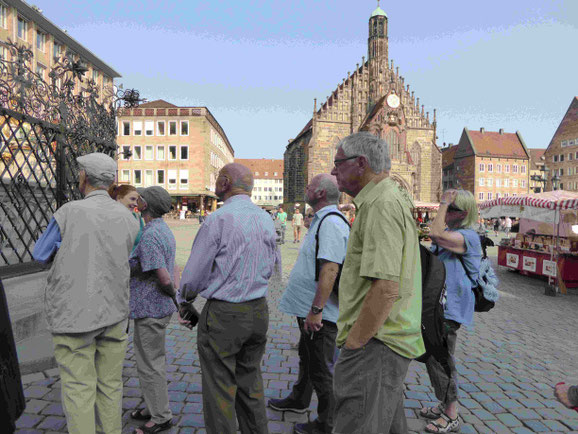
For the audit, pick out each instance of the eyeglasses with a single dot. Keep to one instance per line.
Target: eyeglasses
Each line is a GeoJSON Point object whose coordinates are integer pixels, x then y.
{"type": "Point", "coordinates": [338, 162]}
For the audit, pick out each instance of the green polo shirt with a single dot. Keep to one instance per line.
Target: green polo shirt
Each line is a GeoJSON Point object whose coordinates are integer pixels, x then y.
{"type": "Point", "coordinates": [383, 244]}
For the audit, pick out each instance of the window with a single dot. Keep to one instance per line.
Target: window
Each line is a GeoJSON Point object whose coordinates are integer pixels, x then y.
{"type": "Point", "coordinates": [555, 158]}
{"type": "Point", "coordinates": [125, 175]}
{"type": "Point", "coordinates": [523, 169]}
{"type": "Point", "coordinates": [515, 183]}
{"type": "Point", "coordinates": [506, 194]}
{"type": "Point", "coordinates": [160, 128]}
{"type": "Point", "coordinates": [480, 196]}
{"type": "Point", "coordinates": [137, 177]}
{"type": "Point", "coordinates": [514, 168]}
{"type": "Point", "coordinates": [149, 152]}
{"type": "Point", "coordinates": [149, 128]}
{"type": "Point", "coordinates": [56, 50]}
{"type": "Point", "coordinates": [160, 153]}
{"type": "Point", "coordinates": [172, 128]}
{"type": "Point", "coordinates": [490, 195]}
{"type": "Point", "coordinates": [137, 152]}
{"type": "Point", "coordinates": [482, 167]}
{"type": "Point", "coordinates": [561, 172]}
{"type": "Point", "coordinates": [490, 167]}
{"type": "Point", "coordinates": [184, 152]}
{"type": "Point", "coordinates": [126, 128]}
{"type": "Point", "coordinates": [523, 183]}
{"type": "Point", "coordinates": [148, 178]}
{"type": "Point", "coordinates": [506, 168]}
{"type": "Point", "coordinates": [490, 182]}
{"type": "Point", "coordinates": [481, 182]}
{"type": "Point", "coordinates": [256, 173]}
{"type": "Point", "coordinates": [172, 175]}
{"type": "Point", "coordinates": [40, 41]}
{"type": "Point", "coordinates": [576, 156]}
{"type": "Point", "coordinates": [125, 152]}
{"type": "Point", "coordinates": [561, 186]}
{"type": "Point", "coordinates": [3, 52]}
{"type": "Point", "coordinates": [173, 154]}
{"type": "Point", "coordinates": [564, 143]}
{"type": "Point", "coordinates": [3, 16]}
{"type": "Point", "coordinates": [266, 173]}
{"type": "Point", "coordinates": [570, 156]}
{"type": "Point", "coordinates": [514, 194]}
{"type": "Point", "coordinates": [498, 182]}
{"type": "Point", "coordinates": [41, 70]}
{"type": "Point", "coordinates": [506, 183]}
{"type": "Point", "coordinates": [95, 75]}
{"type": "Point", "coordinates": [22, 28]}
{"type": "Point", "coordinates": [497, 195]}
{"type": "Point", "coordinates": [562, 158]}
{"type": "Point", "coordinates": [184, 128]}
{"type": "Point", "coordinates": [160, 176]}
{"type": "Point", "coordinates": [274, 173]}
{"type": "Point", "coordinates": [184, 178]}
{"type": "Point", "coordinates": [499, 168]}
{"type": "Point", "coordinates": [137, 128]}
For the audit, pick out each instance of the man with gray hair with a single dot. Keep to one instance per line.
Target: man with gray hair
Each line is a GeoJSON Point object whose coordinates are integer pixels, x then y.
{"type": "Point", "coordinates": [379, 324]}
{"type": "Point", "coordinates": [87, 297]}
{"type": "Point", "coordinates": [310, 298]}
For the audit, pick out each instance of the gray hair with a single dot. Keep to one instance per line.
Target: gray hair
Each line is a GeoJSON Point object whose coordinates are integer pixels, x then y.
{"type": "Point", "coordinates": [332, 192]}
{"type": "Point", "coordinates": [374, 149]}
{"type": "Point", "coordinates": [98, 181]}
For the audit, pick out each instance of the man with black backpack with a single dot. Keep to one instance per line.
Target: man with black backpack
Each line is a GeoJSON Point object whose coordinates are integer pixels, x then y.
{"type": "Point", "coordinates": [310, 296]}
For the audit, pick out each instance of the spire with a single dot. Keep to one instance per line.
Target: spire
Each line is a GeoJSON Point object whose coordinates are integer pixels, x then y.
{"type": "Point", "coordinates": [378, 11]}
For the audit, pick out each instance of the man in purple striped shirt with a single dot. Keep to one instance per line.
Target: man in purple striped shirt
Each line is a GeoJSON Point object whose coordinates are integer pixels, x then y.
{"type": "Point", "coordinates": [231, 261]}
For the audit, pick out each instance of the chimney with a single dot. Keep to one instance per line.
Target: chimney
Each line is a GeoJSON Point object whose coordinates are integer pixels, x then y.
{"type": "Point", "coordinates": [482, 130]}
{"type": "Point", "coordinates": [501, 131]}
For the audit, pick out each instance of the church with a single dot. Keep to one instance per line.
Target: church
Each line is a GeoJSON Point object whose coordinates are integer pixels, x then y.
{"type": "Point", "coordinates": [374, 98]}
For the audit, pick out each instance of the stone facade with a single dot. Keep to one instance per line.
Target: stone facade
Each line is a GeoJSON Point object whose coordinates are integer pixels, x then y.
{"type": "Point", "coordinates": [561, 157]}
{"type": "Point", "coordinates": [374, 98]}
{"type": "Point", "coordinates": [536, 170]}
{"type": "Point", "coordinates": [267, 181]}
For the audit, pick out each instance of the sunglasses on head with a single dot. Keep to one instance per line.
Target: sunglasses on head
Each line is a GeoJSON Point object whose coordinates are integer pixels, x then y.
{"type": "Point", "coordinates": [454, 208]}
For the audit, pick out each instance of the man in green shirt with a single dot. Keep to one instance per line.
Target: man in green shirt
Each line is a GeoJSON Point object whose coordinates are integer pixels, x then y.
{"type": "Point", "coordinates": [282, 217]}
{"type": "Point", "coordinates": [379, 324]}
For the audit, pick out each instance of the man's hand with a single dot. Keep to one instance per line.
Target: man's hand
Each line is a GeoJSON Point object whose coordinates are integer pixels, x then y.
{"type": "Point", "coordinates": [313, 322]}
{"type": "Point", "coordinates": [183, 321]}
{"type": "Point", "coordinates": [351, 344]}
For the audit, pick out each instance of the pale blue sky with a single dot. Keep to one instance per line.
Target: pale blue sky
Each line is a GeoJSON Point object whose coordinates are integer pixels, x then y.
{"type": "Point", "coordinates": [257, 65]}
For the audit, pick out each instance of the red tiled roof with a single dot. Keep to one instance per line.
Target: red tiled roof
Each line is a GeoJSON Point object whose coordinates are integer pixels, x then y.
{"type": "Point", "coordinates": [448, 155]}
{"type": "Point", "coordinates": [497, 145]}
{"type": "Point", "coordinates": [262, 166]}
{"type": "Point", "coordinates": [535, 155]}
{"type": "Point", "coordinates": [568, 128]}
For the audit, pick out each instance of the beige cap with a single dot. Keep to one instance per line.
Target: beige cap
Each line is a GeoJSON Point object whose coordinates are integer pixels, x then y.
{"type": "Point", "coordinates": [98, 165]}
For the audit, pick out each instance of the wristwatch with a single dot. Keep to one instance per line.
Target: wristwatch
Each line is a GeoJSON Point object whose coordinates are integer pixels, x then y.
{"type": "Point", "coordinates": [316, 310]}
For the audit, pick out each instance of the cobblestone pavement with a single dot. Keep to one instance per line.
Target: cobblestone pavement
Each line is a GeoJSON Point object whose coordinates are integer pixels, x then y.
{"type": "Point", "coordinates": [508, 362]}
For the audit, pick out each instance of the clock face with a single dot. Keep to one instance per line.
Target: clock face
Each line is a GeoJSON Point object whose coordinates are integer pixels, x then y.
{"type": "Point", "coordinates": [393, 100]}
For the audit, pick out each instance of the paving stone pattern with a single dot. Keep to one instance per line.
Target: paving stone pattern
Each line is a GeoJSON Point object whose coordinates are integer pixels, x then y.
{"type": "Point", "coordinates": [508, 363]}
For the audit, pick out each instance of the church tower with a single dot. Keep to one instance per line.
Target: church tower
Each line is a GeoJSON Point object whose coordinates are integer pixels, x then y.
{"type": "Point", "coordinates": [377, 46]}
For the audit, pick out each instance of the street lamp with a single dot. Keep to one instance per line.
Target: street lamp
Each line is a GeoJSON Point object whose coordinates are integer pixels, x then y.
{"type": "Point", "coordinates": [555, 181]}
{"type": "Point", "coordinates": [543, 179]}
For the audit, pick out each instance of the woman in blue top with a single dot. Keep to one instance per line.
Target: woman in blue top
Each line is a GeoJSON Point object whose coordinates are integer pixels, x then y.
{"type": "Point", "coordinates": [459, 212]}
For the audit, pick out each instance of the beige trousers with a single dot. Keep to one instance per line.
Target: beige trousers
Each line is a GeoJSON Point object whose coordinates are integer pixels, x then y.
{"type": "Point", "coordinates": [149, 349]}
{"type": "Point", "coordinates": [91, 376]}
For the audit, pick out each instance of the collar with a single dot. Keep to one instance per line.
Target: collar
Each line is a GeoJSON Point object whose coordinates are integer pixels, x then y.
{"type": "Point", "coordinates": [154, 222]}
{"type": "Point", "coordinates": [97, 193]}
{"type": "Point", "coordinates": [325, 210]}
{"type": "Point", "coordinates": [237, 198]}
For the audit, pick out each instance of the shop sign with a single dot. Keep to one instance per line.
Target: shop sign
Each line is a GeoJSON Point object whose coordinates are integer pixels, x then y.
{"type": "Point", "coordinates": [549, 268]}
{"type": "Point", "coordinates": [512, 260]}
{"type": "Point", "coordinates": [529, 264]}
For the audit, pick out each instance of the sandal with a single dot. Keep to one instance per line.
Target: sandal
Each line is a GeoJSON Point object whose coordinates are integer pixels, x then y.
{"type": "Point", "coordinates": [156, 427]}
{"type": "Point", "coordinates": [452, 425]}
{"type": "Point", "coordinates": [431, 412]}
{"type": "Point", "coordinates": [137, 415]}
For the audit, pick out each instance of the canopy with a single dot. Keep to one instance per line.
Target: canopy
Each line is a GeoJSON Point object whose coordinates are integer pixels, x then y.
{"type": "Point", "coordinates": [426, 206]}
{"type": "Point", "coordinates": [543, 207]}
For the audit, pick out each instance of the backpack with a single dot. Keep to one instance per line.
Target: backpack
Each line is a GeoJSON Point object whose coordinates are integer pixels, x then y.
{"type": "Point", "coordinates": [317, 262]}
{"type": "Point", "coordinates": [485, 290]}
{"type": "Point", "coordinates": [433, 278]}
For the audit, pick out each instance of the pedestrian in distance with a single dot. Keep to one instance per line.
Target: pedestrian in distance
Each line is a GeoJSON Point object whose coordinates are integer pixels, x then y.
{"type": "Point", "coordinates": [379, 323]}
{"type": "Point", "coordinates": [151, 308]}
{"type": "Point", "coordinates": [297, 223]}
{"type": "Point", "coordinates": [310, 298]}
{"type": "Point", "coordinates": [457, 244]}
{"type": "Point", "coordinates": [282, 218]}
{"type": "Point", "coordinates": [232, 258]}
{"type": "Point", "coordinates": [127, 195]}
{"type": "Point", "coordinates": [87, 297]}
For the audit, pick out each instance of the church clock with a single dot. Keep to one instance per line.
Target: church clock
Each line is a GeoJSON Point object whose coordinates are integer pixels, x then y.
{"type": "Point", "coordinates": [393, 101]}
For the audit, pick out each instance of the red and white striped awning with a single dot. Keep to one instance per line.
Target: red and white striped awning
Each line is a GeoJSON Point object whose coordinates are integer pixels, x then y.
{"type": "Point", "coordinates": [559, 199]}
{"type": "Point", "coordinates": [425, 206]}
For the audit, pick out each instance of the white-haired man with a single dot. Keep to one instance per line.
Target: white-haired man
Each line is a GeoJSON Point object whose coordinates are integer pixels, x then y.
{"type": "Point", "coordinates": [87, 297]}
{"type": "Point", "coordinates": [379, 324]}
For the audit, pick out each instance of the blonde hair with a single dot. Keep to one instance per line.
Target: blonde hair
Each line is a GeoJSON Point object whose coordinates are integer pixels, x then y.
{"type": "Point", "coordinates": [466, 202]}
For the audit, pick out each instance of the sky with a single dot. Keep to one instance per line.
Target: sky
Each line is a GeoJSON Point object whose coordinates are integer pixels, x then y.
{"type": "Point", "coordinates": [258, 64]}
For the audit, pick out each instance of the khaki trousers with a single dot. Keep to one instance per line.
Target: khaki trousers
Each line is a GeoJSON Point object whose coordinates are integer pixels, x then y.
{"type": "Point", "coordinates": [149, 349]}
{"type": "Point", "coordinates": [91, 376]}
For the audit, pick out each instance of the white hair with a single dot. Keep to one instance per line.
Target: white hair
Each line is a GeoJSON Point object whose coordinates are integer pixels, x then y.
{"type": "Point", "coordinates": [332, 192]}
{"type": "Point", "coordinates": [374, 149]}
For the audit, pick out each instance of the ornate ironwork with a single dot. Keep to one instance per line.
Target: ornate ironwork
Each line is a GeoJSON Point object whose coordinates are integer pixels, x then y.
{"type": "Point", "coordinates": [44, 126]}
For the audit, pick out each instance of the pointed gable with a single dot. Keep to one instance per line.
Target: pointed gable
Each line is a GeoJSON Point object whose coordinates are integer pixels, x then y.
{"type": "Point", "coordinates": [492, 144]}
{"type": "Point", "coordinates": [568, 128]}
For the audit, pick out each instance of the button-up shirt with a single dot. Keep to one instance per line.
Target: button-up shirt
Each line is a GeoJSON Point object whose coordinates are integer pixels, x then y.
{"type": "Point", "coordinates": [233, 254]}
{"type": "Point", "coordinates": [155, 250]}
{"type": "Point", "coordinates": [302, 287]}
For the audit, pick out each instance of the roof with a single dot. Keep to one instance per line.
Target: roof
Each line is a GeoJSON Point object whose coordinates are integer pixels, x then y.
{"type": "Point", "coordinates": [497, 144]}
{"type": "Point", "coordinates": [448, 155]}
{"type": "Point", "coordinates": [378, 12]}
{"type": "Point", "coordinates": [159, 103]}
{"type": "Point", "coordinates": [262, 166]}
{"type": "Point", "coordinates": [535, 155]}
{"type": "Point", "coordinates": [568, 128]}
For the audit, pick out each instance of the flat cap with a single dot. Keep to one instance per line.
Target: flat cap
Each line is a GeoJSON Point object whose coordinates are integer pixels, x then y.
{"type": "Point", "coordinates": [157, 198]}
{"type": "Point", "coordinates": [98, 165]}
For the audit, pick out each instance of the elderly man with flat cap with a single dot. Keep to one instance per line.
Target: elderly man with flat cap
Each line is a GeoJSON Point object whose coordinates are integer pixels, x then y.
{"type": "Point", "coordinates": [231, 261]}
{"type": "Point", "coordinates": [87, 297]}
{"type": "Point", "coordinates": [151, 307]}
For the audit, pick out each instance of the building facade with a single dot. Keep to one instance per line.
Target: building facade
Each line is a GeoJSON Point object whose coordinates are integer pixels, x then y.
{"type": "Point", "coordinates": [536, 170]}
{"type": "Point", "coordinates": [489, 164]}
{"type": "Point", "coordinates": [26, 25]}
{"type": "Point", "coordinates": [373, 98]}
{"type": "Point", "coordinates": [561, 156]}
{"type": "Point", "coordinates": [180, 149]}
{"type": "Point", "coordinates": [268, 177]}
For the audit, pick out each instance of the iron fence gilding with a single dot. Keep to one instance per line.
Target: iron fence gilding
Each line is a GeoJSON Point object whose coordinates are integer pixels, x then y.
{"type": "Point", "coordinates": [44, 127]}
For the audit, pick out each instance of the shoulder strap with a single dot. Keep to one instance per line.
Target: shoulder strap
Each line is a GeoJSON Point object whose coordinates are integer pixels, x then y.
{"type": "Point", "coordinates": [317, 267]}
{"type": "Point", "coordinates": [461, 259]}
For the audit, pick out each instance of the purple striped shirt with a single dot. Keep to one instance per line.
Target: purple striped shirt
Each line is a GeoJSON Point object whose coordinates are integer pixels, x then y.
{"type": "Point", "coordinates": [233, 254]}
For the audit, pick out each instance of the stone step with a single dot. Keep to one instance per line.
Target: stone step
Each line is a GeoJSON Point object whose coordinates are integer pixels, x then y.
{"type": "Point", "coordinates": [36, 353]}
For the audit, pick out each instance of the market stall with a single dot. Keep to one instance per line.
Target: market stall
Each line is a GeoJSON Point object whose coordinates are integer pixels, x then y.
{"type": "Point", "coordinates": [547, 244]}
{"type": "Point", "coordinates": [423, 213]}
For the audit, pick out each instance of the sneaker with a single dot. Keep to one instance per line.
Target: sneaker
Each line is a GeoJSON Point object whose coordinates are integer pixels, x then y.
{"type": "Point", "coordinates": [310, 428]}
{"type": "Point", "coordinates": [286, 405]}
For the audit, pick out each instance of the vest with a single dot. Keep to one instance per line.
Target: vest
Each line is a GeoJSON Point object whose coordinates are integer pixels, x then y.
{"type": "Point", "coordinates": [88, 284]}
